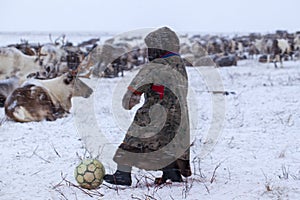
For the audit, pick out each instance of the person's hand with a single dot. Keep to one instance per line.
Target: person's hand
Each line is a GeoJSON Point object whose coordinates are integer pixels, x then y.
{"type": "Point", "coordinates": [130, 99]}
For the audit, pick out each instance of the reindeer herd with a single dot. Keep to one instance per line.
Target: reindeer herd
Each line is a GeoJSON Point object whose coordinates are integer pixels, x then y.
{"type": "Point", "coordinates": [37, 81]}
{"type": "Point", "coordinates": [219, 51]}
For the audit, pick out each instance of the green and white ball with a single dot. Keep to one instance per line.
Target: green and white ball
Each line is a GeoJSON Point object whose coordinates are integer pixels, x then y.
{"type": "Point", "coordinates": [89, 173]}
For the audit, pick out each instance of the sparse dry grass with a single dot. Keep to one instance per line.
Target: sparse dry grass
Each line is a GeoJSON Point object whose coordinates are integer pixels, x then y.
{"type": "Point", "coordinates": [3, 120]}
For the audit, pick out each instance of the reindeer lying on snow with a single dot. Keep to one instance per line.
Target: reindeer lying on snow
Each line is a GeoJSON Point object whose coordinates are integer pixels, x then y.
{"type": "Point", "coordinates": [38, 100]}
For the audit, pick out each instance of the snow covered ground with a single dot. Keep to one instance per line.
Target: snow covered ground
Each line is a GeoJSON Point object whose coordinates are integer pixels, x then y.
{"type": "Point", "coordinates": [257, 155]}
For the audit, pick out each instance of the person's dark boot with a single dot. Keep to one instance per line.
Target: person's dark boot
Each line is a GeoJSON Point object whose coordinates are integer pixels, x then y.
{"type": "Point", "coordinates": [119, 178]}
{"type": "Point", "coordinates": [169, 174]}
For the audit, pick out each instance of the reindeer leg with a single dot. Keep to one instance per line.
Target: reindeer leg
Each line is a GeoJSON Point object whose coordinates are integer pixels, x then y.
{"type": "Point", "coordinates": [122, 71]}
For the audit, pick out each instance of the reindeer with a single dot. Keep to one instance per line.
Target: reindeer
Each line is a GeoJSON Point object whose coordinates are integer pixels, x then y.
{"type": "Point", "coordinates": [14, 63]}
{"type": "Point", "coordinates": [280, 48]}
{"type": "Point", "coordinates": [38, 100]}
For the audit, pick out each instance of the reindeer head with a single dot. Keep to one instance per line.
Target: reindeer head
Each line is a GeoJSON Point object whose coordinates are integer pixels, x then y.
{"type": "Point", "coordinates": [40, 56]}
{"type": "Point", "coordinates": [79, 87]}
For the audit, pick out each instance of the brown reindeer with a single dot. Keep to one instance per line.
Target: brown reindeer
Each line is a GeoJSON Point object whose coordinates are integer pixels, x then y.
{"type": "Point", "coordinates": [39, 100]}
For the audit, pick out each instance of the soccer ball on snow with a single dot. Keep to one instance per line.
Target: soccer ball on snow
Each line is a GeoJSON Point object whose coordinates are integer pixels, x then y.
{"type": "Point", "coordinates": [89, 173]}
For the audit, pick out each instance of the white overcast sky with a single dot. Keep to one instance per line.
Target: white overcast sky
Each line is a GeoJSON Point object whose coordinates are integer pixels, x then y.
{"type": "Point", "coordinates": [125, 15]}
